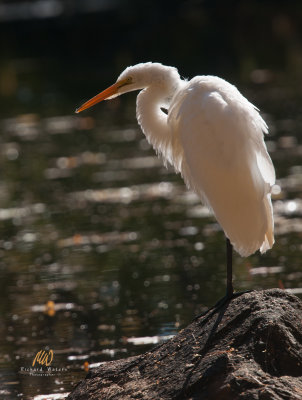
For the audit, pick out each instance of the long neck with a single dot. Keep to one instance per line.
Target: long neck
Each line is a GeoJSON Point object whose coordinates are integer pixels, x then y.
{"type": "Point", "coordinates": [154, 121]}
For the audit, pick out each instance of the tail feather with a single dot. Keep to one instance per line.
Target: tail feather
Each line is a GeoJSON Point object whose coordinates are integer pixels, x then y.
{"type": "Point", "coordinates": [269, 235]}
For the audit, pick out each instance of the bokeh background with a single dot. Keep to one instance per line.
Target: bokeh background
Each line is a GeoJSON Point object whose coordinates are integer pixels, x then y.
{"type": "Point", "coordinates": [104, 252]}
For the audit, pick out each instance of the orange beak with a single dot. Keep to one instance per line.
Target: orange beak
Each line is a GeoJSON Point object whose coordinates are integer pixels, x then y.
{"type": "Point", "coordinates": [103, 95]}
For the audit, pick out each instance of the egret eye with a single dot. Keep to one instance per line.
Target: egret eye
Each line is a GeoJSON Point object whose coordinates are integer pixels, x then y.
{"type": "Point", "coordinates": [124, 82]}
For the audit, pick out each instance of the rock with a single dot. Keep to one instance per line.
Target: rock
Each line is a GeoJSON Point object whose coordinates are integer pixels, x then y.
{"type": "Point", "coordinates": [251, 348]}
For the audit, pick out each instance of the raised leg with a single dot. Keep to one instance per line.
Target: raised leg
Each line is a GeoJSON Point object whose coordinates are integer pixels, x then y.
{"type": "Point", "coordinates": [229, 253]}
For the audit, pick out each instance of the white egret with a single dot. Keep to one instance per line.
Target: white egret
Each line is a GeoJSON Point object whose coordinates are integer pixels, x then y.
{"type": "Point", "coordinates": [214, 137]}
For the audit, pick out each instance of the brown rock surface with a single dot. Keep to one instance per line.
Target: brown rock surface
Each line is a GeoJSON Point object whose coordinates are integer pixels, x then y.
{"type": "Point", "coordinates": [251, 348]}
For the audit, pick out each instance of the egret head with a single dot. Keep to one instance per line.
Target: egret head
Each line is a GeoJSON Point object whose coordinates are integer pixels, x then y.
{"type": "Point", "coordinates": [137, 77]}
{"type": "Point", "coordinates": [142, 75]}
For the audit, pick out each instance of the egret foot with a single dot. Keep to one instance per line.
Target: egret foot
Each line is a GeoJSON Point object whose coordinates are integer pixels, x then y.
{"type": "Point", "coordinates": [220, 303]}
{"type": "Point", "coordinates": [228, 298]}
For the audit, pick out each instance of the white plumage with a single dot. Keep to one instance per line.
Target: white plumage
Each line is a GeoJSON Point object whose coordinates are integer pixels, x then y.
{"type": "Point", "coordinates": [213, 136]}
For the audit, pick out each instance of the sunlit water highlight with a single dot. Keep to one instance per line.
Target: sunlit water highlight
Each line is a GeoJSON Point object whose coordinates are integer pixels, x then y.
{"type": "Point", "coordinates": [104, 253]}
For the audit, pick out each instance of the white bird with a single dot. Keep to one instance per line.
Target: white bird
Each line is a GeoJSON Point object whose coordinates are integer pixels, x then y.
{"type": "Point", "coordinates": [214, 137]}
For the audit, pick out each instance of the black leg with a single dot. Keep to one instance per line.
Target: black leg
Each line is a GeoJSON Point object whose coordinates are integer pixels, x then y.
{"type": "Point", "coordinates": [229, 252]}
{"type": "Point", "coordinates": [229, 290]}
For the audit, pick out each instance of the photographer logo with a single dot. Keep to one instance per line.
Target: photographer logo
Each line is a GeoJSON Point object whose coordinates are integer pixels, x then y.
{"type": "Point", "coordinates": [42, 365]}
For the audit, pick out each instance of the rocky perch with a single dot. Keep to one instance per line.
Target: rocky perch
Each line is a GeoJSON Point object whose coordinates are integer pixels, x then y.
{"type": "Point", "coordinates": [251, 348]}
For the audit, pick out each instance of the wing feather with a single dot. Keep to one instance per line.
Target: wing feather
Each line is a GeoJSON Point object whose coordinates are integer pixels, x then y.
{"type": "Point", "coordinates": [220, 151]}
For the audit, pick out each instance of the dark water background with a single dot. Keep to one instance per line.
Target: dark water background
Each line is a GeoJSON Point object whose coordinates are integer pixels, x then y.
{"type": "Point", "coordinates": [103, 250]}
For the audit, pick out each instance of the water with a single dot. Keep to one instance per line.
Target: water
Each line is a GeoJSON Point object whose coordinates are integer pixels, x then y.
{"type": "Point", "coordinates": [103, 250]}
